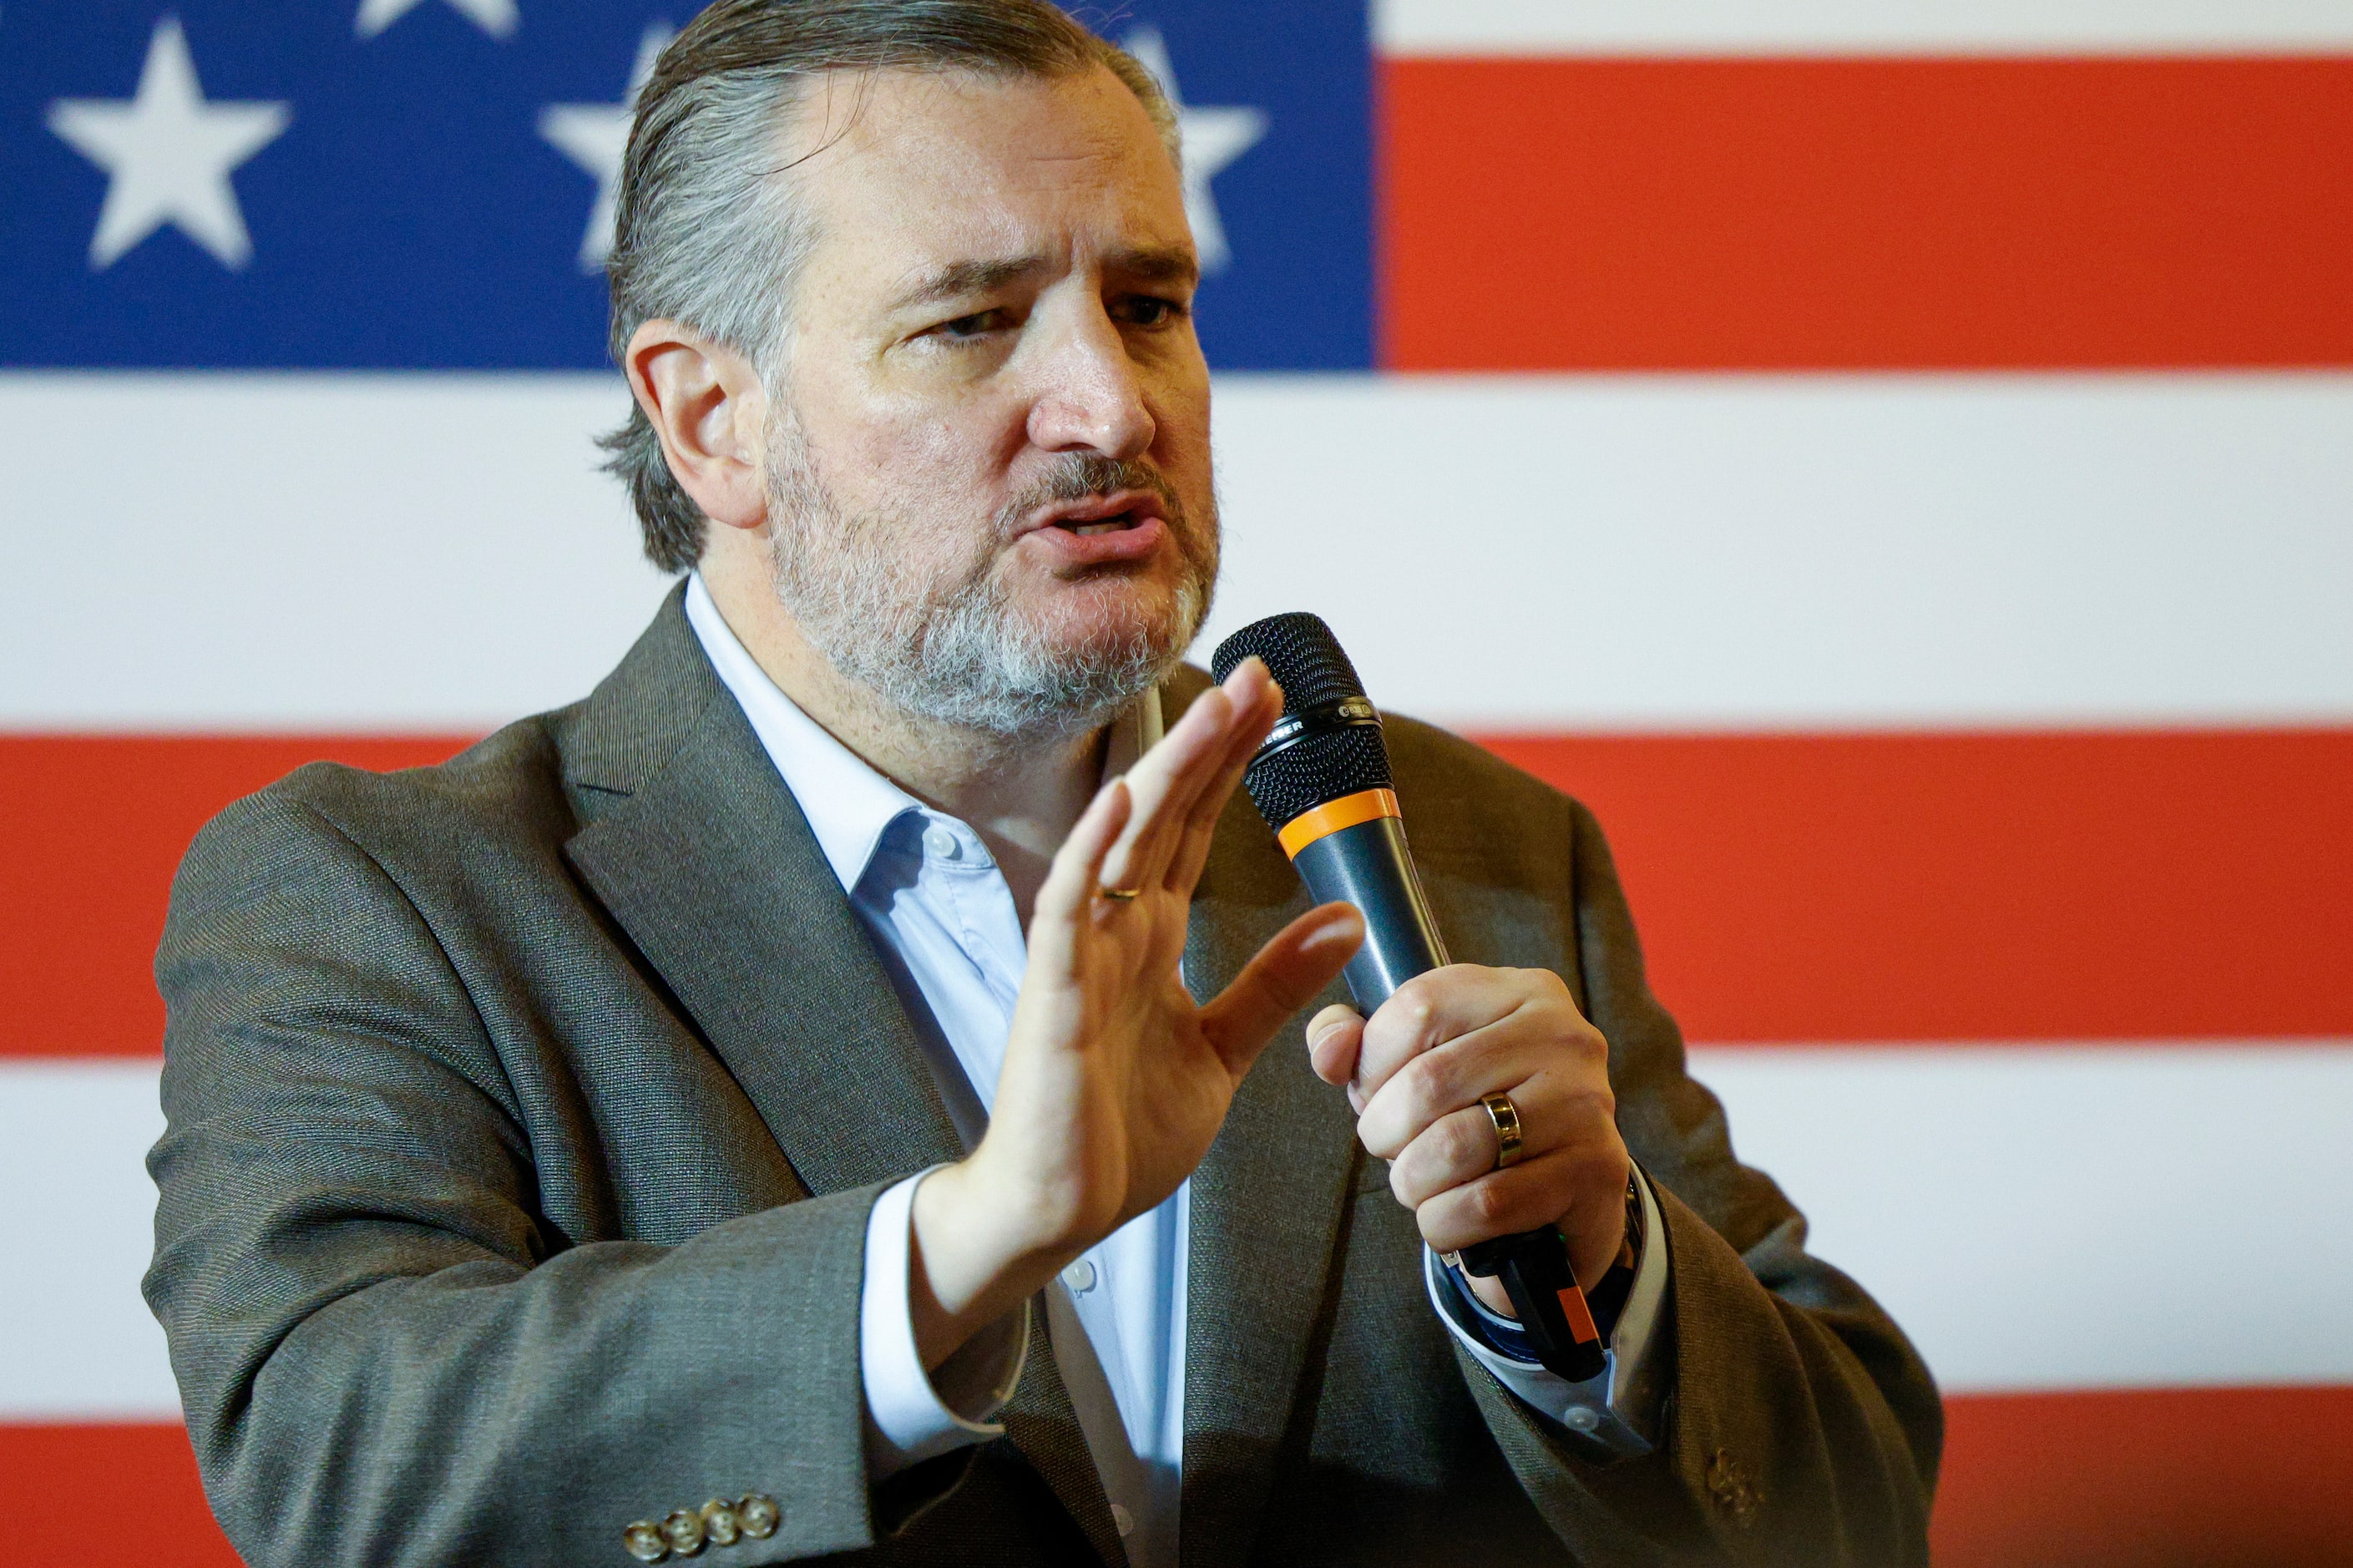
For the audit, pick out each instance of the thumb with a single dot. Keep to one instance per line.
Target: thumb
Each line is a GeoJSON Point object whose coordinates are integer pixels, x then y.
{"type": "Point", "coordinates": [1302, 959]}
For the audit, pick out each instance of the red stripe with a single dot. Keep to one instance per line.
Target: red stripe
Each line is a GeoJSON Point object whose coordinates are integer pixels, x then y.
{"type": "Point", "coordinates": [2071, 886]}
{"type": "Point", "coordinates": [97, 825]}
{"type": "Point", "coordinates": [2148, 1479]}
{"type": "Point", "coordinates": [107, 1494]}
{"type": "Point", "coordinates": [1814, 887]}
{"type": "Point", "coordinates": [1879, 213]}
{"type": "Point", "coordinates": [2138, 1479]}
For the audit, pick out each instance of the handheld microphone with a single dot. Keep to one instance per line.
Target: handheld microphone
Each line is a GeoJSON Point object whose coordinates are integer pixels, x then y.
{"type": "Point", "coordinates": [1322, 781]}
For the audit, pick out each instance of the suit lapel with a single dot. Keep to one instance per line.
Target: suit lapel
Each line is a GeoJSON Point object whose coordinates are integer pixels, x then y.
{"type": "Point", "coordinates": [711, 868]}
{"type": "Point", "coordinates": [1267, 1207]}
{"type": "Point", "coordinates": [709, 864]}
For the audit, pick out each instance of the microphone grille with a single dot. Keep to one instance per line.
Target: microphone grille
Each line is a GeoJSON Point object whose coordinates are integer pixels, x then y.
{"type": "Point", "coordinates": [1328, 762]}
{"type": "Point", "coordinates": [1317, 769]}
{"type": "Point", "coordinates": [1304, 656]}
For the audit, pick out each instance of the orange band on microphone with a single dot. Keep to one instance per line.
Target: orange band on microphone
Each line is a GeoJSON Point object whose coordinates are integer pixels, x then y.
{"type": "Point", "coordinates": [1365, 805]}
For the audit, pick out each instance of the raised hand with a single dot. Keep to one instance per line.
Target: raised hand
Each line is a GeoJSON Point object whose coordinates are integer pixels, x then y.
{"type": "Point", "coordinates": [1115, 1080]}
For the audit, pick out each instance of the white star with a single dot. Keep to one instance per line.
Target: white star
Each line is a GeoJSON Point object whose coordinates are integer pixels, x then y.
{"type": "Point", "coordinates": [596, 136]}
{"type": "Point", "coordinates": [168, 154]}
{"type": "Point", "coordinates": [496, 18]}
{"type": "Point", "coordinates": [1213, 138]}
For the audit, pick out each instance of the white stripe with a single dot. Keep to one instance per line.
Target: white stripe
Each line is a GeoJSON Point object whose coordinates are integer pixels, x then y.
{"type": "Point", "coordinates": [1493, 28]}
{"type": "Point", "coordinates": [192, 552]}
{"type": "Point", "coordinates": [383, 553]}
{"type": "Point", "coordinates": [2042, 1218]}
{"type": "Point", "coordinates": [2036, 1217]}
{"type": "Point", "coordinates": [1673, 552]}
{"type": "Point", "coordinates": [77, 1229]}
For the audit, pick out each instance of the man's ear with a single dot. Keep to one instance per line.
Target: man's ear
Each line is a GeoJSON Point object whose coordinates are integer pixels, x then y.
{"type": "Point", "coordinates": [708, 406]}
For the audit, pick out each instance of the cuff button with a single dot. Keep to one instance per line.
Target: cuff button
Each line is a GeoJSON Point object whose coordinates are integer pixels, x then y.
{"type": "Point", "coordinates": [758, 1515]}
{"type": "Point", "coordinates": [684, 1530]}
{"type": "Point", "coordinates": [721, 1524]}
{"type": "Point", "coordinates": [645, 1541]}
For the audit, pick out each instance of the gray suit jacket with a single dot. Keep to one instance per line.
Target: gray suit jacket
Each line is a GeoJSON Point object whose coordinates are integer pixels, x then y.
{"type": "Point", "coordinates": [525, 1113]}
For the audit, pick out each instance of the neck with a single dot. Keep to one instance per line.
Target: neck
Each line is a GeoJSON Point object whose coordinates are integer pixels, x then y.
{"type": "Point", "coordinates": [1021, 794]}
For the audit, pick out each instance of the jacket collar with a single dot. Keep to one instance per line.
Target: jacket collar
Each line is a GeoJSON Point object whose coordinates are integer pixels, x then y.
{"type": "Point", "coordinates": [708, 863]}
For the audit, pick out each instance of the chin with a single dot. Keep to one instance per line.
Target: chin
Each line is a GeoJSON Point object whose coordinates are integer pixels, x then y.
{"type": "Point", "coordinates": [1112, 615]}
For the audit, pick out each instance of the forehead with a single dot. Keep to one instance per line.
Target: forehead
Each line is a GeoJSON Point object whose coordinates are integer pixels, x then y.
{"type": "Point", "coordinates": [907, 171]}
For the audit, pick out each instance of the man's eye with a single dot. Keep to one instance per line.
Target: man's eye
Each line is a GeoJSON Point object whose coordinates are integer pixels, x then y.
{"type": "Point", "coordinates": [1144, 310]}
{"type": "Point", "coordinates": [977, 325]}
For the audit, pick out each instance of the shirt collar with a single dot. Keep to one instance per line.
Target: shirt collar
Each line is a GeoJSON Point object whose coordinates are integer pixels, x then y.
{"type": "Point", "coordinates": [849, 804]}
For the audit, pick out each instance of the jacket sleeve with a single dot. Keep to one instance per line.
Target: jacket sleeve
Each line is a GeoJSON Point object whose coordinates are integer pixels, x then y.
{"type": "Point", "coordinates": [384, 1353]}
{"type": "Point", "coordinates": [1800, 1426]}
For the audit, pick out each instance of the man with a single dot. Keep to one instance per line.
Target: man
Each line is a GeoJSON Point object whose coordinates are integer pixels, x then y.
{"type": "Point", "coordinates": [764, 1108]}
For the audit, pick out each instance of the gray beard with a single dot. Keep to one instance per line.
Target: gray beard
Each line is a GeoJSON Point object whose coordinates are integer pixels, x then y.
{"type": "Point", "coordinates": [960, 652]}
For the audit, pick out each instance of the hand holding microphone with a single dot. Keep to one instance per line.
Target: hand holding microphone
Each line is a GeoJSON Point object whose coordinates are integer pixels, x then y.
{"type": "Point", "coordinates": [1485, 1088]}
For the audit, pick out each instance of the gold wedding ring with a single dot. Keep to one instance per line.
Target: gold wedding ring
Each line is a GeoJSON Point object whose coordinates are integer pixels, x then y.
{"type": "Point", "coordinates": [1119, 895]}
{"type": "Point", "coordinates": [1506, 1118]}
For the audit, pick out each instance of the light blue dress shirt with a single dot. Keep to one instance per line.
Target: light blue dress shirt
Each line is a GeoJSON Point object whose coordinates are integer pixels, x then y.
{"type": "Point", "coordinates": [927, 889]}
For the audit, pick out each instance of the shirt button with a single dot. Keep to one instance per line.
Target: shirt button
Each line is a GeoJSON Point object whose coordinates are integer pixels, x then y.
{"type": "Point", "coordinates": [1125, 1520]}
{"type": "Point", "coordinates": [1080, 1278]}
{"type": "Point", "coordinates": [940, 842]}
{"type": "Point", "coordinates": [1581, 1418]}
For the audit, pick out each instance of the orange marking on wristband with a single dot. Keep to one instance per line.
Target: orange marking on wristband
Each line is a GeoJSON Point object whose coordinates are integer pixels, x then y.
{"type": "Point", "coordinates": [1365, 805]}
{"type": "Point", "coordinates": [1580, 1319]}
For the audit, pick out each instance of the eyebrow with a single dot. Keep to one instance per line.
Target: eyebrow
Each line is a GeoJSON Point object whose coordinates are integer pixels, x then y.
{"type": "Point", "coordinates": [961, 279]}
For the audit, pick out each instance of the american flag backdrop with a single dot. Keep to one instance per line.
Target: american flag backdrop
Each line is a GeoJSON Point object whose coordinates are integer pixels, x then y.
{"type": "Point", "coordinates": [1893, 459]}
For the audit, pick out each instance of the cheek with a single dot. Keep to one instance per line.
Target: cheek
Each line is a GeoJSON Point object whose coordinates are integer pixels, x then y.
{"type": "Point", "coordinates": [1181, 444]}
{"type": "Point", "coordinates": [926, 489]}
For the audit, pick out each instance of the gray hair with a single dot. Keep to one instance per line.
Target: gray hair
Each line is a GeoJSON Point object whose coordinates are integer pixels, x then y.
{"type": "Point", "coordinates": [705, 233]}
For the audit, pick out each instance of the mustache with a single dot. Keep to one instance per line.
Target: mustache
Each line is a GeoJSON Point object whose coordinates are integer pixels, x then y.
{"type": "Point", "coordinates": [1075, 476]}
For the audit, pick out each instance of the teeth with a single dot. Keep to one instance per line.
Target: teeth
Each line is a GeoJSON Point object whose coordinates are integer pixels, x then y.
{"type": "Point", "coordinates": [1089, 530]}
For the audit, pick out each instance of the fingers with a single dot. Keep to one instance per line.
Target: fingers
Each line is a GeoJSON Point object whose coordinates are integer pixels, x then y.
{"type": "Point", "coordinates": [1582, 1192]}
{"type": "Point", "coordinates": [1258, 704]}
{"type": "Point", "coordinates": [1332, 1036]}
{"type": "Point", "coordinates": [1212, 740]}
{"type": "Point", "coordinates": [1461, 1146]}
{"type": "Point", "coordinates": [1304, 957]}
{"type": "Point", "coordinates": [1511, 1058]}
{"type": "Point", "coordinates": [1422, 1062]}
{"type": "Point", "coordinates": [1076, 871]}
{"type": "Point", "coordinates": [1444, 1004]}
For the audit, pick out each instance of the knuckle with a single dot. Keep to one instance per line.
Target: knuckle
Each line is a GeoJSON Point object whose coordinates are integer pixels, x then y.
{"type": "Point", "coordinates": [1548, 985]}
{"type": "Point", "coordinates": [1463, 1144]}
{"type": "Point", "coordinates": [1594, 1102]}
{"type": "Point", "coordinates": [1417, 1003]}
{"type": "Point", "coordinates": [1488, 1202]}
{"type": "Point", "coordinates": [1430, 1082]}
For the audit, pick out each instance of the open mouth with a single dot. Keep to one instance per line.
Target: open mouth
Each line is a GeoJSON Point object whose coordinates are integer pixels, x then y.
{"type": "Point", "coordinates": [1118, 524]}
{"type": "Point", "coordinates": [1122, 511]}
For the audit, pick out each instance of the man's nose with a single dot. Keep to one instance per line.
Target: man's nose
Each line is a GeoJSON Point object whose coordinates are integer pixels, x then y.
{"type": "Point", "coordinates": [1090, 395]}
